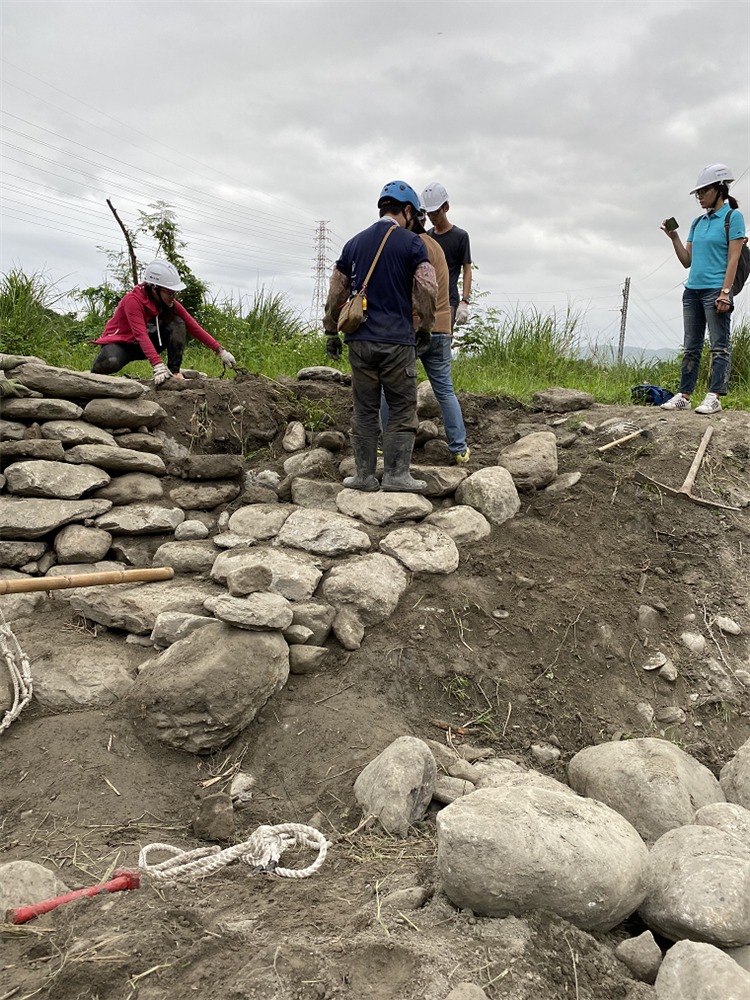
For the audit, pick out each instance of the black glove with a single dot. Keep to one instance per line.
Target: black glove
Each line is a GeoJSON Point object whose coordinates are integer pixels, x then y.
{"type": "Point", "coordinates": [334, 346]}
{"type": "Point", "coordinates": [424, 339]}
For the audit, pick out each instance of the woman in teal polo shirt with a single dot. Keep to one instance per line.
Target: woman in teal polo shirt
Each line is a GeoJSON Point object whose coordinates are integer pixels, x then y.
{"type": "Point", "coordinates": [711, 252]}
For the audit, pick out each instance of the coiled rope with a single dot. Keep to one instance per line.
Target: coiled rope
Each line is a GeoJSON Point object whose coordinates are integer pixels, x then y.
{"type": "Point", "coordinates": [262, 852]}
{"type": "Point", "coordinates": [20, 673]}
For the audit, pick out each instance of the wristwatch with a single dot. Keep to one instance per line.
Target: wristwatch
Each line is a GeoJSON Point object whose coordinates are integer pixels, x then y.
{"type": "Point", "coordinates": [725, 291]}
{"type": "Point", "coordinates": [466, 301]}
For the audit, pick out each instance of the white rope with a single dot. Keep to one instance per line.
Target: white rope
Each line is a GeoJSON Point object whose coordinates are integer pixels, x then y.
{"type": "Point", "coordinates": [262, 851]}
{"type": "Point", "coordinates": [20, 673]}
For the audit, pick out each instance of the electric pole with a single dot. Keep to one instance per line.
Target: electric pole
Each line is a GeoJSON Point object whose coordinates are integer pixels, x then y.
{"type": "Point", "coordinates": [624, 318]}
{"type": "Point", "coordinates": [320, 269]}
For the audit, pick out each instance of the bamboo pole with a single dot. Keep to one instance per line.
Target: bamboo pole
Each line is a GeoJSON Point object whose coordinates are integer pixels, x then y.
{"type": "Point", "coordinates": [84, 580]}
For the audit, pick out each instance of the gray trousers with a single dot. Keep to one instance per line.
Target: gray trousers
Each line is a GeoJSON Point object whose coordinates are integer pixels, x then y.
{"type": "Point", "coordinates": [392, 368]}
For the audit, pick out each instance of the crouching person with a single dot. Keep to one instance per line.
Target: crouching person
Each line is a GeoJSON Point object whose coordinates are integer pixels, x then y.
{"type": "Point", "coordinates": [148, 321]}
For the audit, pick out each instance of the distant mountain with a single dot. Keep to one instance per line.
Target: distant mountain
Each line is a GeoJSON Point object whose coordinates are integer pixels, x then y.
{"type": "Point", "coordinates": [663, 353]}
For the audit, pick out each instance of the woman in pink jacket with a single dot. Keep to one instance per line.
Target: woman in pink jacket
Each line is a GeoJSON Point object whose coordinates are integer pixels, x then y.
{"type": "Point", "coordinates": [148, 320]}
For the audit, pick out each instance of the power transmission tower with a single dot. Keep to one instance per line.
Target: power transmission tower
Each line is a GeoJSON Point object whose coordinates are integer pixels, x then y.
{"type": "Point", "coordinates": [321, 269]}
{"type": "Point", "coordinates": [624, 319]}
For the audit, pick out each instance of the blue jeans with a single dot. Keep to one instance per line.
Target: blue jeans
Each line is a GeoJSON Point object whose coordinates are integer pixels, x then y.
{"type": "Point", "coordinates": [437, 363]}
{"type": "Point", "coordinates": [698, 310]}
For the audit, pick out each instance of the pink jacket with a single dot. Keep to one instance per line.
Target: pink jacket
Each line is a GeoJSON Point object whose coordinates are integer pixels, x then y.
{"type": "Point", "coordinates": [128, 325]}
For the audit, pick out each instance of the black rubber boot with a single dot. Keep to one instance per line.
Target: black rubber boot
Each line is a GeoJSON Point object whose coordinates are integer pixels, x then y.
{"type": "Point", "coordinates": [397, 449]}
{"type": "Point", "coordinates": [366, 458]}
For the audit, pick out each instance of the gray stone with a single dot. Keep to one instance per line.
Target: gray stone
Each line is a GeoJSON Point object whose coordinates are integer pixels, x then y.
{"type": "Point", "coordinates": [86, 676]}
{"type": "Point", "coordinates": [322, 533]}
{"type": "Point", "coordinates": [466, 991]}
{"type": "Point", "coordinates": [461, 523]}
{"type": "Point", "coordinates": [318, 493]}
{"type": "Point", "coordinates": [13, 554]}
{"type": "Point", "coordinates": [63, 383]}
{"type": "Point", "coordinates": [79, 569]}
{"type": "Point", "coordinates": [135, 608]}
{"type": "Point", "coordinates": [699, 887]}
{"type": "Point", "coordinates": [727, 625]}
{"type": "Point", "coordinates": [297, 635]}
{"type": "Point", "coordinates": [383, 508]}
{"type": "Point", "coordinates": [652, 782]}
{"type": "Point", "coordinates": [562, 483]}
{"type": "Point", "coordinates": [124, 413]}
{"type": "Point", "coordinates": [215, 818]}
{"type": "Point", "coordinates": [407, 900]}
{"type": "Point", "coordinates": [294, 436]}
{"type": "Point", "coordinates": [532, 461]}
{"type": "Point", "coordinates": [53, 479]}
{"type": "Point", "coordinates": [442, 481]}
{"type": "Point", "coordinates": [306, 659]}
{"type": "Point", "coordinates": [190, 531]}
{"type": "Point", "coordinates": [260, 494]}
{"type": "Point", "coordinates": [266, 478]}
{"type": "Point", "coordinates": [694, 641]}
{"type": "Point", "coordinates": [331, 440]}
{"type": "Point", "coordinates": [31, 518]}
{"type": "Point", "coordinates": [348, 467]}
{"type": "Point", "coordinates": [642, 955]}
{"type": "Point", "coordinates": [15, 607]}
{"type": "Point", "coordinates": [695, 971]}
{"type": "Point", "coordinates": [492, 492]}
{"type": "Point", "coordinates": [23, 883]}
{"type": "Point", "coordinates": [507, 775]}
{"type": "Point", "coordinates": [372, 583]}
{"type": "Point", "coordinates": [186, 557]}
{"type": "Point", "coordinates": [205, 689]}
{"type": "Point", "coordinates": [398, 784]}
{"type": "Point", "coordinates": [298, 465]}
{"type": "Point", "coordinates": [295, 574]}
{"type": "Point", "coordinates": [241, 789]}
{"type": "Point", "coordinates": [669, 672]}
{"type": "Point", "coordinates": [728, 817]}
{"type": "Point", "coordinates": [140, 519]}
{"type": "Point", "coordinates": [427, 430]}
{"type": "Point", "coordinates": [558, 400]}
{"type": "Point", "coordinates": [11, 431]}
{"type": "Point", "coordinates": [141, 442]}
{"type": "Point", "coordinates": [258, 611]}
{"type": "Point", "coordinates": [171, 626]}
{"type": "Point", "coordinates": [740, 955]}
{"type": "Point", "coordinates": [348, 628]}
{"type": "Point", "coordinates": [133, 487]}
{"type": "Point", "coordinates": [260, 521]}
{"type": "Point", "coordinates": [448, 789]}
{"type": "Point", "coordinates": [77, 544]}
{"type": "Point", "coordinates": [670, 715]}
{"type": "Point", "coordinates": [735, 777]}
{"type": "Point", "coordinates": [316, 617]}
{"type": "Point", "coordinates": [511, 850]}
{"type": "Point", "coordinates": [137, 550]}
{"type": "Point", "coordinates": [72, 432]}
{"type": "Point", "coordinates": [208, 466]}
{"type": "Point", "coordinates": [40, 409]}
{"type": "Point", "coordinates": [13, 451]}
{"type": "Point", "coordinates": [427, 404]}
{"type": "Point", "coordinates": [117, 459]}
{"type": "Point", "coordinates": [205, 496]}
{"type": "Point", "coordinates": [249, 580]}
{"type": "Point", "coordinates": [422, 549]}
{"type": "Point", "coordinates": [321, 373]}
{"type": "Point", "coordinates": [545, 754]}
{"type": "Point", "coordinates": [465, 770]}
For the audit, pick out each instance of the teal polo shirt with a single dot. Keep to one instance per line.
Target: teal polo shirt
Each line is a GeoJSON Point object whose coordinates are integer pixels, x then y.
{"type": "Point", "coordinates": [708, 265]}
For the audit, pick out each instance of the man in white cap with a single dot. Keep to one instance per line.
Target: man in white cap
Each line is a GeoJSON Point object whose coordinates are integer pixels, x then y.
{"type": "Point", "coordinates": [148, 320]}
{"type": "Point", "coordinates": [454, 243]}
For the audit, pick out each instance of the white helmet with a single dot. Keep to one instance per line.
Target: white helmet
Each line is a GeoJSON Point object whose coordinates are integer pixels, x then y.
{"type": "Point", "coordinates": [434, 197]}
{"type": "Point", "coordinates": [716, 173]}
{"type": "Point", "coordinates": [163, 274]}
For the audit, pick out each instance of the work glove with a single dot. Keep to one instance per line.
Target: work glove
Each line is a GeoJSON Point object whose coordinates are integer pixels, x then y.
{"type": "Point", "coordinates": [227, 358]}
{"type": "Point", "coordinates": [424, 339]}
{"type": "Point", "coordinates": [462, 314]}
{"type": "Point", "coordinates": [334, 346]}
{"type": "Point", "coordinates": [161, 374]}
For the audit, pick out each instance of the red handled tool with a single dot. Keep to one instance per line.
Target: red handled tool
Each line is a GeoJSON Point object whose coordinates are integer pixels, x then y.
{"type": "Point", "coordinates": [123, 879]}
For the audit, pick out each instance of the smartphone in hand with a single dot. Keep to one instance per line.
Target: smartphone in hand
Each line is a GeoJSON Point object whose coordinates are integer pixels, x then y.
{"type": "Point", "coordinates": [671, 224]}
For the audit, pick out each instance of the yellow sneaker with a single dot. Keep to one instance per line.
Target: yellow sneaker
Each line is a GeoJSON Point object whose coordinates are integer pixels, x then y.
{"type": "Point", "coordinates": [463, 457]}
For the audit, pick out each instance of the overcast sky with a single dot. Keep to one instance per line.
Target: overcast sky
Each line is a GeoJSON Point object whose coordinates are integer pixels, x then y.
{"type": "Point", "coordinates": [564, 133]}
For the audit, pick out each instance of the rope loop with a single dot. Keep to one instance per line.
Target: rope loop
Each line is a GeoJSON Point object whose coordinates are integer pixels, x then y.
{"type": "Point", "coordinates": [20, 673]}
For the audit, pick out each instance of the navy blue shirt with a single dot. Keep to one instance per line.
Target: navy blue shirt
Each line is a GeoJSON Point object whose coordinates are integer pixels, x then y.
{"type": "Point", "coordinates": [388, 317]}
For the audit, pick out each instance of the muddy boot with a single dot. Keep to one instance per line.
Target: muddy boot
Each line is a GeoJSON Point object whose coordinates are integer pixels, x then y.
{"type": "Point", "coordinates": [397, 449]}
{"type": "Point", "coordinates": [366, 458]}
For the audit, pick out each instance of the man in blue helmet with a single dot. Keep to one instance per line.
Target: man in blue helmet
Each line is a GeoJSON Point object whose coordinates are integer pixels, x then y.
{"type": "Point", "coordinates": [382, 350]}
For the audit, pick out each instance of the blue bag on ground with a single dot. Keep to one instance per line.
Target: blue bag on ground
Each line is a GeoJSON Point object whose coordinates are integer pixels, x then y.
{"type": "Point", "coordinates": [650, 395]}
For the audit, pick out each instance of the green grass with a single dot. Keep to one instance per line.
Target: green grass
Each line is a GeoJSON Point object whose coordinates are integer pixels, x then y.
{"type": "Point", "coordinates": [508, 354]}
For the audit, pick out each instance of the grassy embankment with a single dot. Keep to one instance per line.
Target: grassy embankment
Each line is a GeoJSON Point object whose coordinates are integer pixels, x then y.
{"type": "Point", "coordinates": [506, 354]}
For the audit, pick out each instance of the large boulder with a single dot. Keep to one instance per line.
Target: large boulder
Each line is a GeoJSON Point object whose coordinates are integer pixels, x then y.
{"type": "Point", "coordinates": [186, 557]}
{"type": "Point", "coordinates": [72, 432]}
{"type": "Point", "coordinates": [40, 409]}
{"type": "Point", "coordinates": [397, 785]}
{"type": "Point", "coordinates": [323, 533]}
{"type": "Point", "coordinates": [372, 583]}
{"type": "Point", "coordinates": [318, 493]}
{"type": "Point", "coordinates": [123, 413]}
{"type": "Point", "coordinates": [140, 519]}
{"type": "Point", "coordinates": [294, 575]}
{"type": "Point", "coordinates": [171, 626]}
{"type": "Point", "coordinates": [728, 817]}
{"type": "Point", "coordinates": [13, 554]}
{"type": "Point", "coordinates": [695, 971]}
{"type": "Point", "coordinates": [383, 508]}
{"type": "Point", "coordinates": [85, 676]}
{"type": "Point", "coordinates": [204, 690]}
{"type": "Point", "coordinates": [508, 851]}
{"type": "Point", "coordinates": [558, 400]}
{"type": "Point", "coordinates": [77, 544]}
{"type": "Point", "coordinates": [735, 777]}
{"type": "Point", "coordinates": [308, 461]}
{"type": "Point", "coordinates": [427, 404]}
{"type": "Point", "coordinates": [422, 549]}
{"type": "Point", "coordinates": [699, 887]}
{"type": "Point", "coordinates": [133, 487]}
{"type": "Point", "coordinates": [492, 492]}
{"type": "Point", "coordinates": [10, 430]}
{"type": "Point", "coordinates": [55, 480]}
{"type": "Point", "coordinates": [259, 521]}
{"type": "Point", "coordinates": [316, 617]}
{"type": "Point", "coordinates": [23, 883]}
{"type": "Point", "coordinates": [642, 955]}
{"type": "Point", "coordinates": [208, 466]}
{"type": "Point", "coordinates": [116, 459]}
{"type": "Point", "coordinates": [654, 784]}
{"type": "Point", "coordinates": [259, 611]}
{"type": "Point", "coordinates": [15, 607]}
{"type": "Point", "coordinates": [135, 608]}
{"type": "Point", "coordinates": [137, 550]}
{"type": "Point", "coordinates": [532, 461]}
{"type": "Point", "coordinates": [63, 383]}
{"type": "Point", "coordinates": [46, 451]}
{"type": "Point", "coordinates": [204, 496]}
{"type": "Point", "coordinates": [442, 480]}
{"type": "Point", "coordinates": [461, 523]}
{"type": "Point", "coordinates": [25, 519]}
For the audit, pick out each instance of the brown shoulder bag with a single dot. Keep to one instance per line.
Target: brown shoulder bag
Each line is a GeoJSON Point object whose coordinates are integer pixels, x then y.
{"type": "Point", "coordinates": [353, 312]}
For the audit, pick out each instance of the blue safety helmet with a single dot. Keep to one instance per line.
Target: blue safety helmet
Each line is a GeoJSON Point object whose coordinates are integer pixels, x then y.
{"type": "Point", "coordinates": [399, 191]}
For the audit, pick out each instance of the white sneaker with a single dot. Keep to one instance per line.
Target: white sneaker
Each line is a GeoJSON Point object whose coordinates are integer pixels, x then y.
{"type": "Point", "coordinates": [711, 404]}
{"type": "Point", "coordinates": [678, 402]}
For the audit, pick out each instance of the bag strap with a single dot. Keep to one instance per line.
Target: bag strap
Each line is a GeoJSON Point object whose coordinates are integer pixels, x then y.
{"type": "Point", "coordinates": [377, 255]}
{"type": "Point", "coordinates": [726, 222]}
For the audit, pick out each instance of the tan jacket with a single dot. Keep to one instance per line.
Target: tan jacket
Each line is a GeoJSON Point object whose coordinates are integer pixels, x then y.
{"type": "Point", "coordinates": [443, 311]}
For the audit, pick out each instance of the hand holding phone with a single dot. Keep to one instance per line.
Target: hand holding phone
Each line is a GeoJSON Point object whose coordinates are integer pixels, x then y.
{"type": "Point", "coordinates": [671, 224]}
